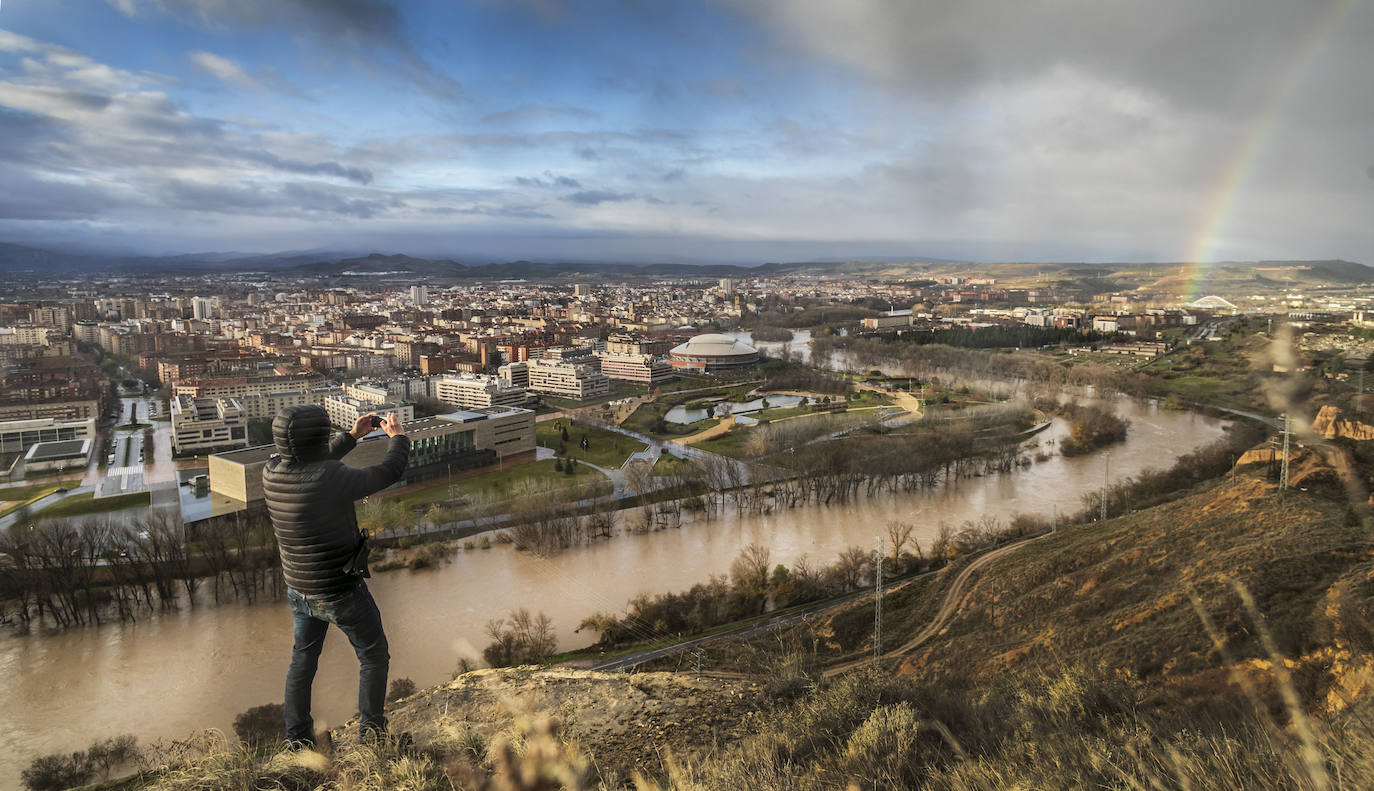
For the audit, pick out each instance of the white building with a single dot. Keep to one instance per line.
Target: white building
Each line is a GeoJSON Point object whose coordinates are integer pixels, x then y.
{"type": "Point", "coordinates": [515, 374]}
{"type": "Point", "coordinates": [200, 424]}
{"type": "Point", "coordinates": [639, 368]}
{"type": "Point", "coordinates": [568, 380]}
{"type": "Point", "coordinates": [419, 295]}
{"type": "Point", "coordinates": [471, 391]}
{"type": "Point", "coordinates": [203, 308]}
{"type": "Point", "coordinates": [344, 410]}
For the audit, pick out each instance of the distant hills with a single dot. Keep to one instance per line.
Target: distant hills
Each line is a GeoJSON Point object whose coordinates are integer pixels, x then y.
{"type": "Point", "coordinates": [18, 260]}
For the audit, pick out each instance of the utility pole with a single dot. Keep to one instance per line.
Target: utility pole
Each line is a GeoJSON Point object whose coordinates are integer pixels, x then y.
{"type": "Point", "coordinates": [878, 607]}
{"type": "Point", "coordinates": [1106, 474]}
{"type": "Point", "coordinates": [1283, 470]}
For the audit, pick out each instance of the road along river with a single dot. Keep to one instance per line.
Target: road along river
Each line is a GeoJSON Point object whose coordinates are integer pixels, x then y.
{"type": "Point", "coordinates": [170, 674]}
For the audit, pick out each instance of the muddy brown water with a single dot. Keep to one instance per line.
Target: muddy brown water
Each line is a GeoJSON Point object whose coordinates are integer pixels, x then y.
{"type": "Point", "coordinates": [166, 676]}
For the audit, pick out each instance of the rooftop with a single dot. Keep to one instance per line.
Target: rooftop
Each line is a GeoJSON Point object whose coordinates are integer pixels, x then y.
{"type": "Point", "coordinates": [61, 449]}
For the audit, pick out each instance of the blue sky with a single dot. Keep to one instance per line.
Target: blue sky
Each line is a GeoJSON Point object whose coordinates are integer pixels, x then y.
{"type": "Point", "coordinates": [640, 130]}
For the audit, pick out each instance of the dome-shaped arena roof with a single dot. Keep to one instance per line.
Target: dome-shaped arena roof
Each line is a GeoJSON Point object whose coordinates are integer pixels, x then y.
{"type": "Point", "coordinates": [714, 345]}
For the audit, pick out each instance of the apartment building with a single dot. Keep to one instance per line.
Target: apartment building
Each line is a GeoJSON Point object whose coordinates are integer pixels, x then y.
{"type": "Point", "coordinates": [344, 410]}
{"type": "Point", "coordinates": [567, 380]}
{"type": "Point", "coordinates": [470, 391]}
{"type": "Point", "coordinates": [234, 386]}
{"type": "Point", "coordinates": [642, 369]}
{"type": "Point", "coordinates": [202, 424]}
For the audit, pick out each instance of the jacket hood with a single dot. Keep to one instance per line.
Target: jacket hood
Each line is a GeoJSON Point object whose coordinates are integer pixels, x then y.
{"type": "Point", "coordinates": [301, 433]}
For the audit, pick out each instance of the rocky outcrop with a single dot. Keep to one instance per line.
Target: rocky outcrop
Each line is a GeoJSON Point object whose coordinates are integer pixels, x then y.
{"type": "Point", "coordinates": [1330, 425]}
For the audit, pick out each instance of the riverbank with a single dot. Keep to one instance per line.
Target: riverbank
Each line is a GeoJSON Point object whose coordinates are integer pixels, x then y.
{"type": "Point", "coordinates": [170, 673]}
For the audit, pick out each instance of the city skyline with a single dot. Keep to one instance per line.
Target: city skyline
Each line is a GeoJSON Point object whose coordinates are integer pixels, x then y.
{"type": "Point", "coordinates": [712, 132]}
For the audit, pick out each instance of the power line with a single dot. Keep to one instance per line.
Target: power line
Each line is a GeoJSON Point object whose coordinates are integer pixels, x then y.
{"type": "Point", "coordinates": [1283, 470]}
{"type": "Point", "coordinates": [1106, 474]}
{"type": "Point", "coordinates": [878, 607]}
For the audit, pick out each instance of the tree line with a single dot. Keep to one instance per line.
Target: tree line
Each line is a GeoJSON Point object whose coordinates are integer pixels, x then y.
{"type": "Point", "coordinates": [64, 573]}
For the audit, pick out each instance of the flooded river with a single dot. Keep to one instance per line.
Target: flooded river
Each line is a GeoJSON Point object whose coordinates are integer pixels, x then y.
{"type": "Point", "coordinates": [168, 675]}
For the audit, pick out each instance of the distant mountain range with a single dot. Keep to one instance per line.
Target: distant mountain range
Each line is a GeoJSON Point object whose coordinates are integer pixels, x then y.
{"type": "Point", "coordinates": [17, 260]}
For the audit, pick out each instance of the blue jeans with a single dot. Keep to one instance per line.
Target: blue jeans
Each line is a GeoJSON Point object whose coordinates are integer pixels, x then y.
{"type": "Point", "coordinates": [356, 615]}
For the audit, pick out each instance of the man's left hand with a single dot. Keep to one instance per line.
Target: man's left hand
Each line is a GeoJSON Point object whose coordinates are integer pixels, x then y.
{"type": "Point", "coordinates": [362, 426]}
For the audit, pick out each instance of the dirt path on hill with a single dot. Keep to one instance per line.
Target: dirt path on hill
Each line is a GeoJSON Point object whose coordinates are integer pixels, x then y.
{"type": "Point", "coordinates": [723, 427]}
{"type": "Point", "coordinates": [953, 598]}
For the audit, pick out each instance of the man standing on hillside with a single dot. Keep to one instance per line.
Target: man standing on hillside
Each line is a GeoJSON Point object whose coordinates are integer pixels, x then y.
{"type": "Point", "coordinates": [310, 495]}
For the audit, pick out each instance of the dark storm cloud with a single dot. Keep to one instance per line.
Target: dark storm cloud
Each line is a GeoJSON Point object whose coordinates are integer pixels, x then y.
{"type": "Point", "coordinates": [358, 29]}
{"type": "Point", "coordinates": [1218, 54]}
{"type": "Point", "coordinates": [27, 198]}
{"type": "Point", "coordinates": [293, 199]}
{"type": "Point", "coordinates": [359, 175]}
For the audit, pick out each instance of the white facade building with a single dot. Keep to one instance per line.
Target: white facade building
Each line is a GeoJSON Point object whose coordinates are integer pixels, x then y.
{"type": "Point", "coordinates": [471, 391]}
{"type": "Point", "coordinates": [344, 410]}
{"type": "Point", "coordinates": [568, 380]}
{"type": "Point", "coordinates": [642, 369]}
{"type": "Point", "coordinates": [200, 424]}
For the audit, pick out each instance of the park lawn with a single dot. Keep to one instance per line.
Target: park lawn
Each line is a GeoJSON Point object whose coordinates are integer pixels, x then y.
{"type": "Point", "coordinates": [500, 484]}
{"type": "Point", "coordinates": [735, 444]}
{"type": "Point", "coordinates": [607, 448]}
{"type": "Point", "coordinates": [85, 503]}
{"type": "Point", "coordinates": [15, 493]}
{"type": "Point", "coordinates": [644, 418]}
{"type": "Point", "coordinates": [781, 412]}
{"type": "Point", "coordinates": [669, 464]}
{"type": "Point", "coordinates": [690, 382]}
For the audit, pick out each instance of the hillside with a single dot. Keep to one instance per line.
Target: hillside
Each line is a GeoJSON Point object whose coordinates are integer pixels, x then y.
{"type": "Point", "coordinates": [1121, 654]}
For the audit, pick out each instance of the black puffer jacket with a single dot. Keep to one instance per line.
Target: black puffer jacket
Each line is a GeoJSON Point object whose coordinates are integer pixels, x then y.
{"type": "Point", "coordinates": [310, 496]}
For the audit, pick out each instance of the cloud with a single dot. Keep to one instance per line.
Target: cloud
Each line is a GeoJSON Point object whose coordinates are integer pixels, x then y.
{"type": "Point", "coordinates": [527, 113]}
{"type": "Point", "coordinates": [222, 69]}
{"type": "Point", "coordinates": [549, 180]}
{"type": "Point", "coordinates": [598, 197]}
{"type": "Point", "coordinates": [369, 33]}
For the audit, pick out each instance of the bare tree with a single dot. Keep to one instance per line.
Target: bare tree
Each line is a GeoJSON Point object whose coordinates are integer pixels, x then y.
{"type": "Point", "coordinates": [898, 534]}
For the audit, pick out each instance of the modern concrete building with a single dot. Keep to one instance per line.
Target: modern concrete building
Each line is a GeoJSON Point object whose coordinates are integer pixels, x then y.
{"type": "Point", "coordinates": [440, 446]}
{"type": "Point", "coordinates": [642, 369]}
{"type": "Point", "coordinates": [516, 374]}
{"type": "Point", "coordinates": [51, 410]}
{"type": "Point", "coordinates": [888, 320]}
{"type": "Point", "coordinates": [67, 454]}
{"type": "Point", "coordinates": [344, 410]}
{"type": "Point", "coordinates": [714, 354]}
{"type": "Point", "coordinates": [471, 391]}
{"type": "Point", "coordinates": [567, 380]}
{"type": "Point", "coordinates": [204, 424]}
{"type": "Point", "coordinates": [17, 436]}
{"type": "Point", "coordinates": [235, 386]}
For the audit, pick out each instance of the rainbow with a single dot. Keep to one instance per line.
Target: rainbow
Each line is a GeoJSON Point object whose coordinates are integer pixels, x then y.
{"type": "Point", "coordinates": [1232, 178]}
